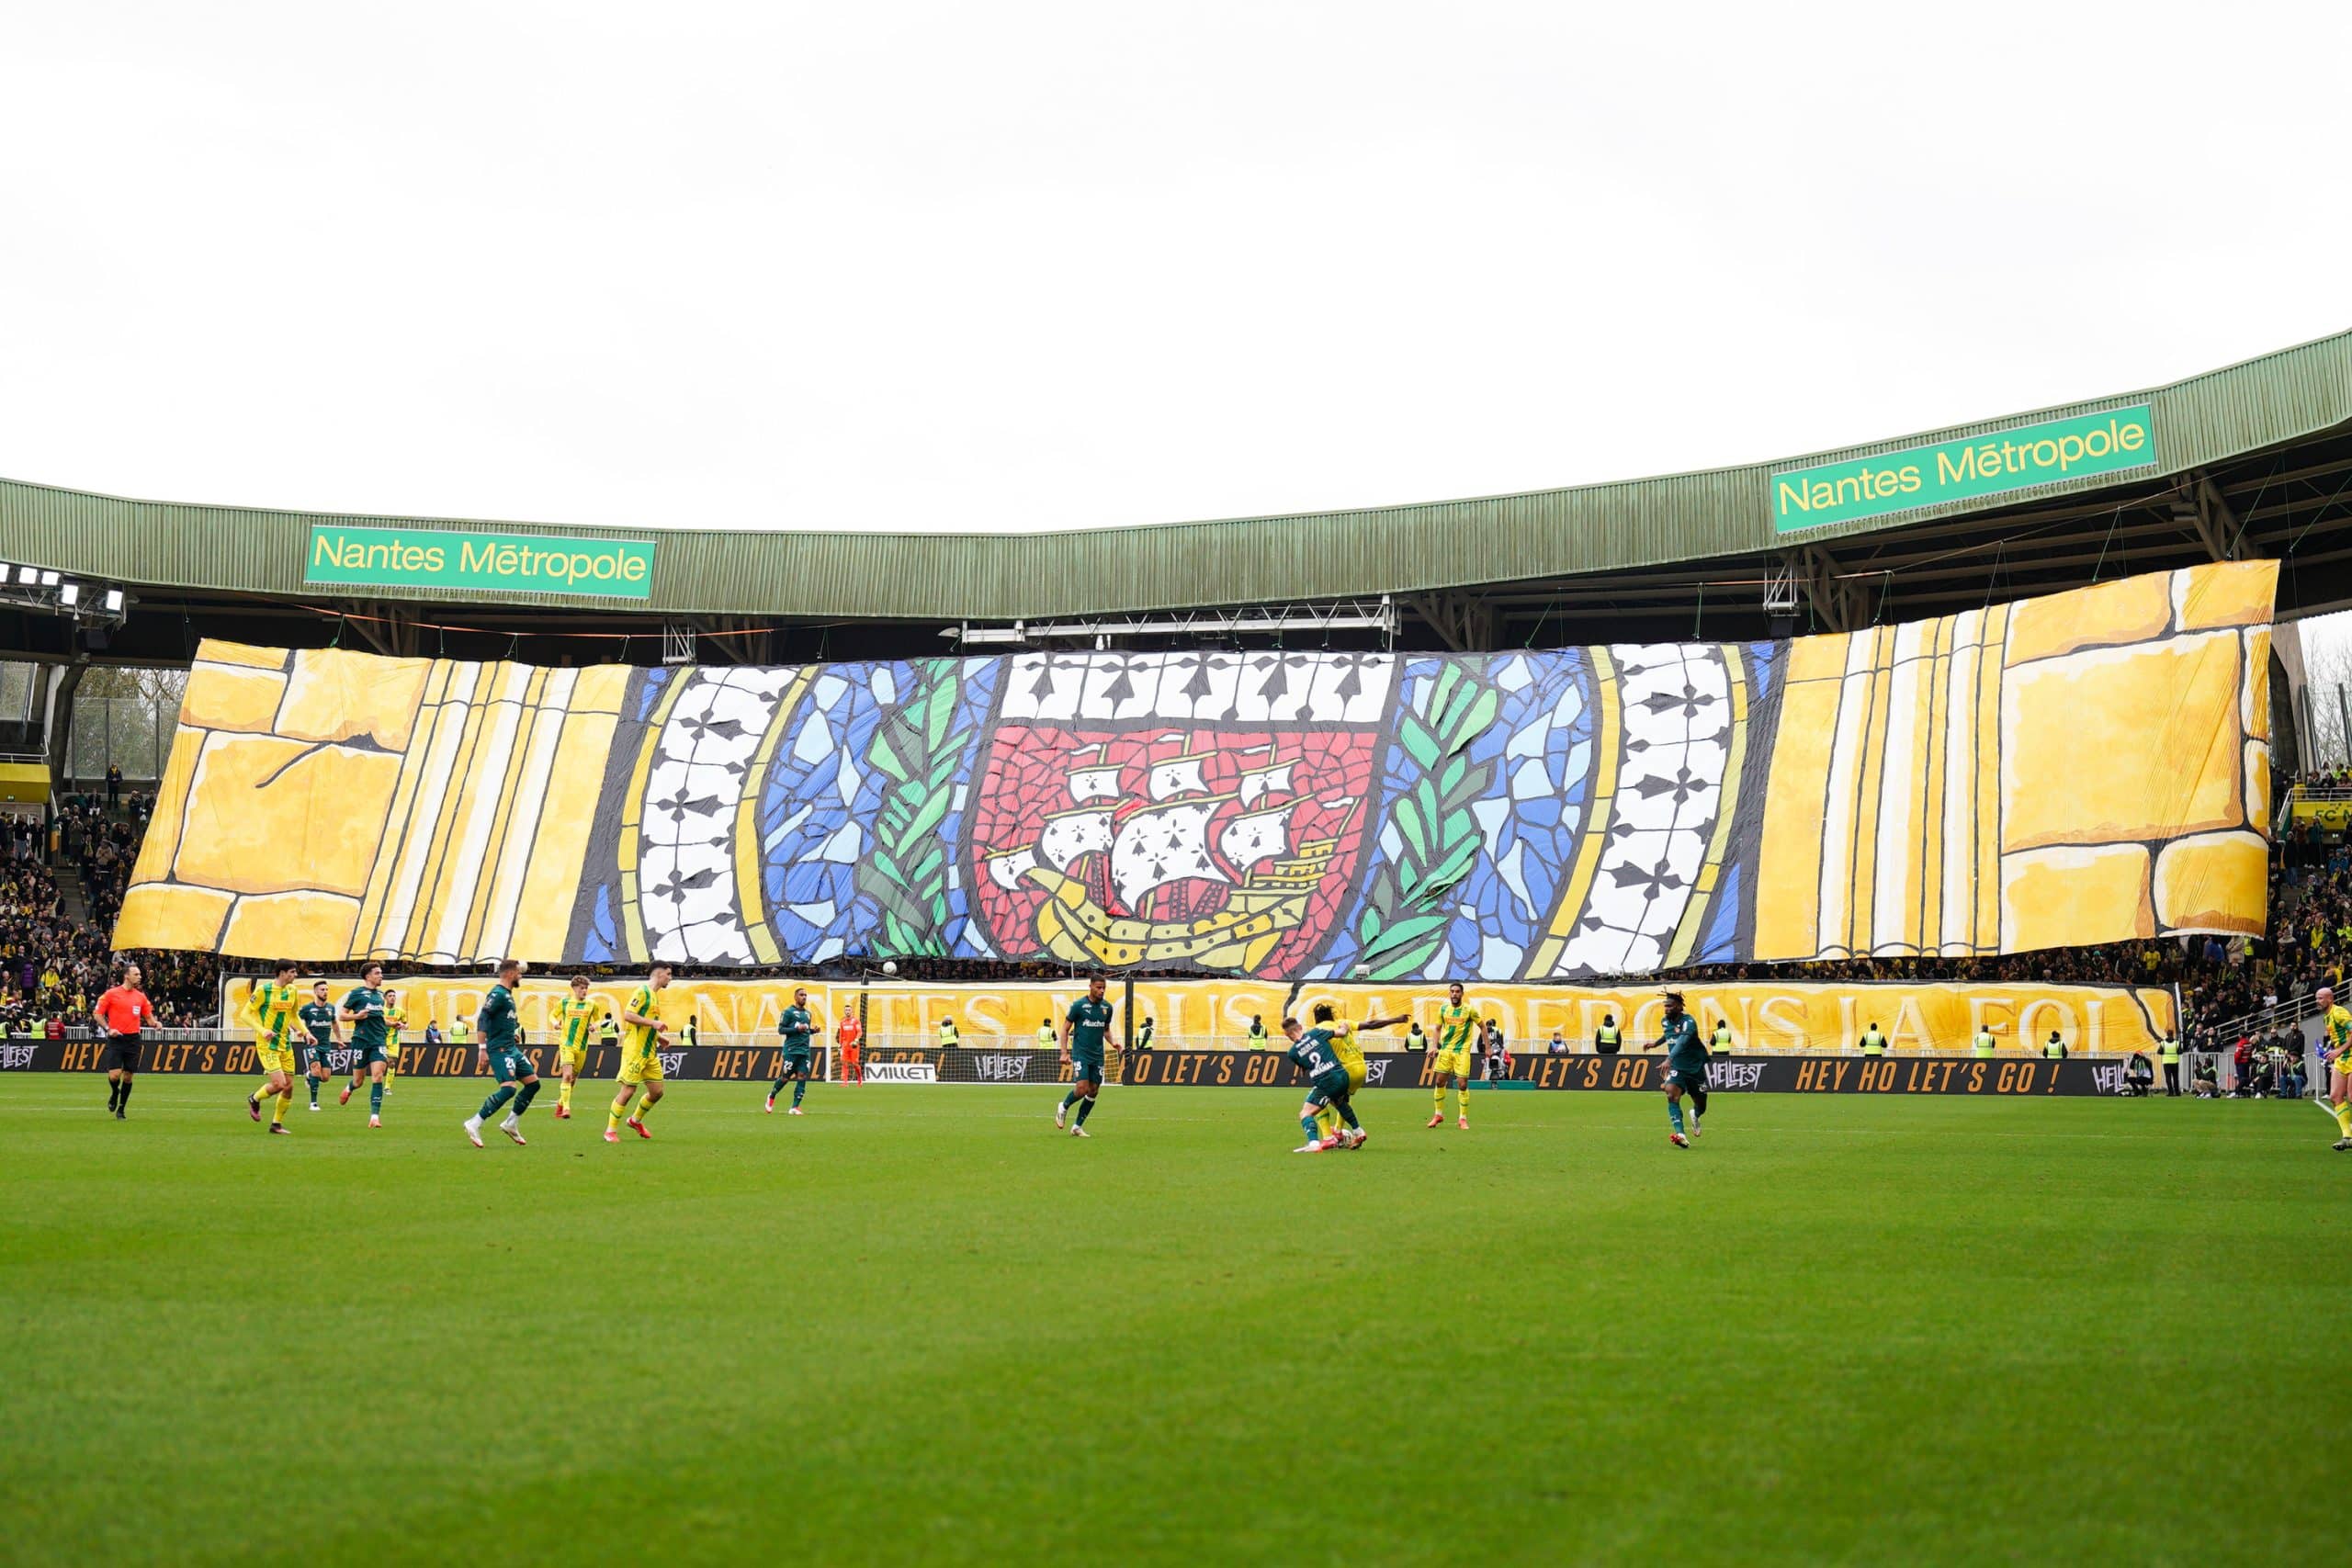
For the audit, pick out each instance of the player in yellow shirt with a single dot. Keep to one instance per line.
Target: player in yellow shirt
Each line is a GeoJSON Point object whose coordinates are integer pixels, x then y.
{"type": "Point", "coordinates": [2335, 1046]}
{"type": "Point", "coordinates": [395, 1020]}
{"type": "Point", "coordinates": [642, 1036]}
{"type": "Point", "coordinates": [1457, 1044]}
{"type": "Point", "coordinates": [1342, 1035]}
{"type": "Point", "coordinates": [572, 1018]}
{"type": "Point", "coordinates": [271, 1006]}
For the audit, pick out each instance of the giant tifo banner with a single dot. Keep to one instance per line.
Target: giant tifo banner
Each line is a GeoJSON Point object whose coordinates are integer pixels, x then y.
{"type": "Point", "coordinates": [1207, 1015]}
{"type": "Point", "coordinates": [2082, 768]}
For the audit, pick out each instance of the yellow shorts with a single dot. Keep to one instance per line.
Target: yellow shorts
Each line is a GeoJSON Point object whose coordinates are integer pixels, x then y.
{"type": "Point", "coordinates": [1457, 1062]}
{"type": "Point", "coordinates": [1355, 1075]}
{"type": "Point", "coordinates": [274, 1058]}
{"type": "Point", "coordinates": [642, 1069]}
{"type": "Point", "coordinates": [576, 1057]}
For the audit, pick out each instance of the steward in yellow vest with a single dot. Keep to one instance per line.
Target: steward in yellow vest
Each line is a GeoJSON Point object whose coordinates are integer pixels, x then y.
{"type": "Point", "coordinates": [1874, 1043]}
{"type": "Point", "coordinates": [947, 1036]}
{"type": "Point", "coordinates": [1984, 1044]}
{"type": "Point", "coordinates": [1608, 1039]}
{"type": "Point", "coordinates": [2053, 1047]}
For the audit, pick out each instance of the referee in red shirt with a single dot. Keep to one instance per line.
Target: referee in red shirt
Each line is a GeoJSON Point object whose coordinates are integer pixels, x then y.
{"type": "Point", "coordinates": [122, 1012]}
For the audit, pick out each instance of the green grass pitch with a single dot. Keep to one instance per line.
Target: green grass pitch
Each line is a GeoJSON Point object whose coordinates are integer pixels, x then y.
{"type": "Point", "coordinates": [917, 1326]}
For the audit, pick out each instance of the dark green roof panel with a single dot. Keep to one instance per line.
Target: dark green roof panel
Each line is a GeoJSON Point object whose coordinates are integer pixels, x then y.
{"type": "Point", "coordinates": [952, 576]}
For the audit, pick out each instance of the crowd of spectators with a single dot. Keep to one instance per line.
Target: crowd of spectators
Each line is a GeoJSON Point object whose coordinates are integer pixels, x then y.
{"type": "Point", "coordinates": [52, 966]}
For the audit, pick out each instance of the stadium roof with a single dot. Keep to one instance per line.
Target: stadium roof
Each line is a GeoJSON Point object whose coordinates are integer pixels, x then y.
{"type": "Point", "coordinates": [2251, 459]}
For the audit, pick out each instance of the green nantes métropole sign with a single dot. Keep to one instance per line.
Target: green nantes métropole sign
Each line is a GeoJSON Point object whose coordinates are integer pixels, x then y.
{"type": "Point", "coordinates": [484, 563]}
{"type": "Point", "coordinates": [1954, 470]}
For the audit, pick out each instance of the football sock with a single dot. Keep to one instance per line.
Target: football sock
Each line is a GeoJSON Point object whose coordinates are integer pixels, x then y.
{"type": "Point", "coordinates": [1462, 1098]}
{"type": "Point", "coordinates": [264, 1091]}
{"type": "Point", "coordinates": [776, 1089]}
{"type": "Point", "coordinates": [375, 1100]}
{"type": "Point", "coordinates": [125, 1098]}
{"type": "Point", "coordinates": [314, 1091]}
{"type": "Point", "coordinates": [1674, 1114]}
{"type": "Point", "coordinates": [2344, 1118]}
{"type": "Point", "coordinates": [645, 1107]}
{"type": "Point", "coordinates": [1698, 1102]}
{"type": "Point", "coordinates": [563, 1095]}
{"type": "Point", "coordinates": [1348, 1113]}
{"type": "Point", "coordinates": [530, 1092]}
{"type": "Point", "coordinates": [496, 1103]}
{"type": "Point", "coordinates": [613, 1121]}
{"type": "Point", "coordinates": [114, 1093]}
{"type": "Point", "coordinates": [1069, 1099]}
{"type": "Point", "coordinates": [799, 1088]}
{"type": "Point", "coordinates": [1085, 1109]}
{"type": "Point", "coordinates": [1437, 1099]}
{"type": "Point", "coordinates": [279, 1104]}
{"type": "Point", "coordinates": [1314, 1133]}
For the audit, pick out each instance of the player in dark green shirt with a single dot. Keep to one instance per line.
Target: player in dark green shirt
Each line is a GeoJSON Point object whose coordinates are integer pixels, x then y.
{"type": "Point", "coordinates": [364, 1011]}
{"type": "Point", "coordinates": [1312, 1053]}
{"type": "Point", "coordinates": [798, 1025]}
{"type": "Point", "coordinates": [1686, 1068]}
{"type": "Point", "coordinates": [318, 1018]}
{"type": "Point", "coordinates": [501, 1053]}
{"type": "Point", "coordinates": [1084, 1028]}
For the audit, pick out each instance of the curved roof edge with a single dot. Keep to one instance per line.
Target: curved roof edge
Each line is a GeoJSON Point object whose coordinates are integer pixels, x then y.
{"type": "Point", "coordinates": [2205, 419]}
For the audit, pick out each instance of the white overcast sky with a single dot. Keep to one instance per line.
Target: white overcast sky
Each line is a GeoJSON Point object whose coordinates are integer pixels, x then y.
{"type": "Point", "coordinates": [1019, 265]}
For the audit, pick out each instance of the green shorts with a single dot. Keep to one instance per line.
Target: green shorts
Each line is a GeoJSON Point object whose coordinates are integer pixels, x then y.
{"type": "Point", "coordinates": [1693, 1080]}
{"type": "Point", "coordinates": [1328, 1089]}
{"type": "Point", "coordinates": [798, 1060]}
{"type": "Point", "coordinates": [1084, 1067]}
{"type": "Point", "coordinates": [362, 1056]}
{"type": "Point", "coordinates": [314, 1057]}
{"type": "Point", "coordinates": [511, 1063]}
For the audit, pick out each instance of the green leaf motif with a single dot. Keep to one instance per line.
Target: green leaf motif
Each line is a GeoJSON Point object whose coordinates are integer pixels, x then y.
{"type": "Point", "coordinates": [1407, 909]}
{"type": "Point", "coordinates": [917, 749]}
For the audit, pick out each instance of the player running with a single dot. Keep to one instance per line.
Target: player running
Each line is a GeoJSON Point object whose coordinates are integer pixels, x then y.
{"type": "Point", "coordinates": [1457, 1035]}
{"type": "Point", "coordinates": [642, 1036]}
{"type": "Point", "coordinates": [1327, 1085]}
{"type": "Point", "coordinates": [501, 1053]}
{"type": "Point", "coordinates": [797, 1026]}
{"type": "Point", "coordinates": [2336, 1049]}
{"type": "Point", "coordinates": [572, 1017]}
{"type": "Point", "coordinates": [319, 1021]}
{"type": "Point", "coordinates": [1686, 1068]}
{"type": "Point", "coordinates": [364, 1011]}
{"type": "Point", "coordinates": [395, 1024]}
{"type": "Point", "coordinates": [1084, 1028]}
{"type": "Point", "coordinates": [271, 1005]}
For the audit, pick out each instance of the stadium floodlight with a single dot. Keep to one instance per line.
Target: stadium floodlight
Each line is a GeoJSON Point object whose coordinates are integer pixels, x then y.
{"type": "Point", "coordinates": [49, 579]}
{"type": "Point", "coordinates": [70, 595]}
{"type": "Point", "coordinates": [113, 601]}
{"type": "Point", "coordinates": [27, 575]}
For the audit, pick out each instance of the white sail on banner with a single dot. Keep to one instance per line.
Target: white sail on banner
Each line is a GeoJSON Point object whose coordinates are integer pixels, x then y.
{"type": "Point", "coordinates": [1178, 775]}
{"type": "Point", "coordinates": [1249, 840]}
{"type": "Point", "coordinates": [1161, 844]}
{"type": "Point", "coordinates": [1072, 834]}
{"type": "Point", "coordinates": [1258, 783]}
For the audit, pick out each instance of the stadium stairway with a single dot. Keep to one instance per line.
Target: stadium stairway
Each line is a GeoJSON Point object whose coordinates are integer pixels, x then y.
{"type": "Point", "coordinates": [73, 898]}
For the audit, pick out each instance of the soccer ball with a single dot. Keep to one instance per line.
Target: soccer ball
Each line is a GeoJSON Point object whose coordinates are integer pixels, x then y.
{"type": "Point", "coordinates": [889, 967]}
